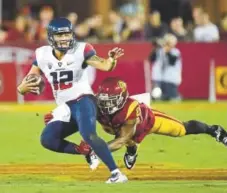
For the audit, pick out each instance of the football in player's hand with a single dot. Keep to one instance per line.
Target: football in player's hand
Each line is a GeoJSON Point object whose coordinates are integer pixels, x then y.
{"type": "Point", "coordinates": [34, 78]}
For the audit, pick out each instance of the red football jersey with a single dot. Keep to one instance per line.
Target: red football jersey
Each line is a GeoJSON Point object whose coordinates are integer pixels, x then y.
{"type": "Point", "coordinates": [131, 110]}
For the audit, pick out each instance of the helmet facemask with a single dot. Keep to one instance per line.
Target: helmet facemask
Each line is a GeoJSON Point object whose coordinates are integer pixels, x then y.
{"type": "Point", "coordinates": [62, 41]}
{"type": "Point", "coordinates": [110, 104]}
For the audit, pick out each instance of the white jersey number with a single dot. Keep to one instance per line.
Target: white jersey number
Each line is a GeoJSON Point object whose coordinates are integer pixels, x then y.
{"type": "Point", "coordinates": [62, 79]}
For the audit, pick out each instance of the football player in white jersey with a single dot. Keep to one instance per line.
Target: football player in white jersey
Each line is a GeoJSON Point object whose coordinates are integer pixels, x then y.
{"type": "Point", "coordinates": [64, 63]}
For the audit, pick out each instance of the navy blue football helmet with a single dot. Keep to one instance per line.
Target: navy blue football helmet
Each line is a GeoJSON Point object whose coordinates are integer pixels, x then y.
{"type": "Point", "coordinates": [61, 26]}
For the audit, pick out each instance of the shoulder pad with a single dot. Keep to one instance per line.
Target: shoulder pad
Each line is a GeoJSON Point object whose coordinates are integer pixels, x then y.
{"type": "Point", "coordinates": [128, 111]}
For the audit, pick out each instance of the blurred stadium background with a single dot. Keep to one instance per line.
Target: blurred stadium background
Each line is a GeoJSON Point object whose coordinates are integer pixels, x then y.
{"type": "Point", "coordinates": [133, 25]}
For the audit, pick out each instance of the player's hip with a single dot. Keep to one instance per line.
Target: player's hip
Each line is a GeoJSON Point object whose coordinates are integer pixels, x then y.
{"type": "Point", "coordinates": [159, 123]}
{"type": "Point", "coordinates": [167, 125]}
{"type": "Point", "coordinates": [81, 106]}
{"type": "Point", "coordinates": [71, 95]}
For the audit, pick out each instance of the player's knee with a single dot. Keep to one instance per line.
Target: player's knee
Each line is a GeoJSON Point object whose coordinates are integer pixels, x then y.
{"type": "Point", "coordinates": [88, 137]}
{"type": "Point", "coordinates": [87, 129]}
{"type": "Point", "coordinates": [94, 140]}
{"type": "Point", "coordinates": [178, 131]}
{"type": "Point", "coordinates": [47, 140]}
{"type": "Point", "coordinates": [182, 132]}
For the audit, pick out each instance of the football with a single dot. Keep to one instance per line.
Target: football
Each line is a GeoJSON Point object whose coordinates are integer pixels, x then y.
{"type": "Point", "coordinates": [39, 79]}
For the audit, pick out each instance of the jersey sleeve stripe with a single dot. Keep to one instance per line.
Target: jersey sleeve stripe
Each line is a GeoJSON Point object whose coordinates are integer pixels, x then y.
{"type": "Point", "coordinates": [89, 51]}
{"type": "Point", "coordinates": [131, 108]}
{"type": "Point", "coordinates": [89, 54]}
{"type": "Point", "coordinates": [35, 63]}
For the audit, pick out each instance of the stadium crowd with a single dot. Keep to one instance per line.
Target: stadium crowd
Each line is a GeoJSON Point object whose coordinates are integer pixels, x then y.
{"type": "Point", "coordinates": [120, 27]}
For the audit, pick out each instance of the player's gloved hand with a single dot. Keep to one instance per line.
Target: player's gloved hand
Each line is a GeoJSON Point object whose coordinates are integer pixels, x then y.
{"type": "Point", "coordinates": [48, 117]}
{"type": "Point", "coordinates": [28, 86]}
{"type": "Point", "coordinates": [83, 148]}
{"type": "Point", "coordinates": [130, 156]}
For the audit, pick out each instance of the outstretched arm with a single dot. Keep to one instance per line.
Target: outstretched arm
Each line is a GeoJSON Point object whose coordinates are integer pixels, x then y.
{"type": "Point", "coordinates": [106, 64]}
{"type": "Point", "coordinates": [126, 133]}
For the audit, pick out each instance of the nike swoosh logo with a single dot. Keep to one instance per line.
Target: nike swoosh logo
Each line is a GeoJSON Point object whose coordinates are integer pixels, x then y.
{"type": "Point", "coordinates": [114, 180]}
{"type": "Point", "coordinates": [69, 63]}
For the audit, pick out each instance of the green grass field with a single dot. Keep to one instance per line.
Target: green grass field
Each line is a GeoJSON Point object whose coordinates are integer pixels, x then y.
{"type": "Point", "coordinates": [23, 162]}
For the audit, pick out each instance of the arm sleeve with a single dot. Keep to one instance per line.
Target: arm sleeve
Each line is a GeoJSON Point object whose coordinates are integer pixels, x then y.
{"type": "Point", "coordinates": [89, 51]}
{"type": "Point", "coordinates": [34, 58]}
{"type": "Point", "coordinates": [35, 63]}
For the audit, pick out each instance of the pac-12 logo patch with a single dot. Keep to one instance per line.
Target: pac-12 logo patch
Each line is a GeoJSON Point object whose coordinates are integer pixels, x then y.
{"type": "Point", "coordinates": [49, 65]}
{"type": "Point", "coordinates": [122, 85]}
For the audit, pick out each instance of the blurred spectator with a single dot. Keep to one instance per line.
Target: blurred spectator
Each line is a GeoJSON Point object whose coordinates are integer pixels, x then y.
{"type": "Point", "coordinates": [223, 27]}
{"type": "Point", "coordinates": [18, 31]}
{"type": "Point", "coordinates": [154, 28]}
{"type": "Point", "coordinates": [206, 31]}
{"type": "Point", "coordinates": [91, 29]}
{"type": "Point", "coordinates": [72, 17]}
{"type": "Point", "coordinates": [117, 25]}
{"type": "Point", "coordinates": [129, 23]}
{"type": "Point", "coordinates": [3, 35]}
{"type": "Point", "coordinates": [95, 24]}
{"type": "Point", "coordinates": [82, 30]}
{"type": "Point", "coordinates": [133, 29]}
{"type": "Point", "coordinates": [131, 8]}
{"type": "Point", "coordinates": [26, 12]}
{"type": "Point", "coordinates": [166, 68]}
{"type": "Point", "coordinates": [33, 26]}
{"type": "Point", "coordinates": [197, 20]}
{"type": "Point", "coordinates": [46, 14]}
{"type": "Point", "coordinates": [177, 29]}
{"type": "Point", "coordinates": [197, 14]}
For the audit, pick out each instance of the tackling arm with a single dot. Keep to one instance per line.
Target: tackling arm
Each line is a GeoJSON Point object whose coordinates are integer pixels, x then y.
{"type": "Point", "coordinates": [106, 64]}
{"type": "Point", "coordinates": [126, 133]}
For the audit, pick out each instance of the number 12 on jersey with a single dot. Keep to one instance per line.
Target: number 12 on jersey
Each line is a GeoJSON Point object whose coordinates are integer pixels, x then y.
{"type": "Point", "coordinates": [62, 79]}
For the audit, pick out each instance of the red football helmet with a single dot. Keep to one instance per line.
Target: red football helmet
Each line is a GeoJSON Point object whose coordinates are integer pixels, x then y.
{"type": "Point", "coordinates": [112, 95]}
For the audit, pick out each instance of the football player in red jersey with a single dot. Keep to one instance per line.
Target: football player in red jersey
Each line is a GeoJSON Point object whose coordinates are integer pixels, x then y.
{"type": "Point", "coordinates": [130, 121]}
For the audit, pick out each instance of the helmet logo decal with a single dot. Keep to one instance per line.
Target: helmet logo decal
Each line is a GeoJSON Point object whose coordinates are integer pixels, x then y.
{"type": "Point", "coordinates": [63, 29]}
{"type": "Point", "coordinates": [122, 85]}
{"type": "Point", "coordinates": [49, 65]}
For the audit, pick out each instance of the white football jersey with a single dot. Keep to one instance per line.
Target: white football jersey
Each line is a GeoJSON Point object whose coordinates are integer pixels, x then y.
{"type": "Point", "coordinates": [68, 76]}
